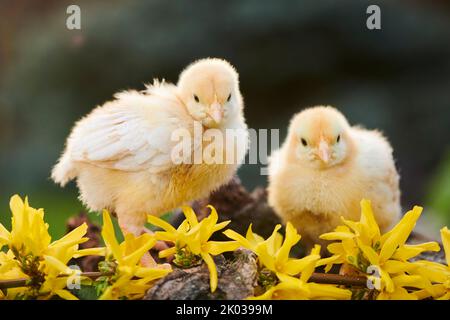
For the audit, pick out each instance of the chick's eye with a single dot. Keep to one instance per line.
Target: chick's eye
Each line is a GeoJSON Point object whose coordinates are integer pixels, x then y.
{"type": "Point", "coordinates": [304, 143]}
{"type": "Point", "coordinates": [338, 138]}
{"type": "Point", "coordinates": [229, 98]}
{"type": "Point", "coordinates": [196, 98]}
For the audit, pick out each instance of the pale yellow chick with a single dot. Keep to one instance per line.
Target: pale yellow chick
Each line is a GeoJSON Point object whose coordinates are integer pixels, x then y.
{"type": "Point", "coordinates": [122, 153]}
{"type": "Point", "coordinates": [323, 170]}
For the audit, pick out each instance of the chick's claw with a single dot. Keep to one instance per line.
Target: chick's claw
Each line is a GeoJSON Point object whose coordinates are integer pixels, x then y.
{"type": "Point", "coordinates": [159, 245]}
{"type": "Point", "coordinates": [147, 261]}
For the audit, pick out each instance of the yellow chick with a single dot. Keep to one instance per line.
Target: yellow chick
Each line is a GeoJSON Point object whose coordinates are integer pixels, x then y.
{"type": "Point", "coordinates": [122, 153]}
{"type": "Point", "coordinates": [323, 170]}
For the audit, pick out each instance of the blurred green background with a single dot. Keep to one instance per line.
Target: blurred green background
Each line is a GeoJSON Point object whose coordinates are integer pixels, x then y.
{"type": "Point", "coordinates": [290, 55]}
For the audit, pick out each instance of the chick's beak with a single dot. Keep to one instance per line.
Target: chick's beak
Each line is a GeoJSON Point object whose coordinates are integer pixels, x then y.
{"type": "Point", "coordinates": [216, 112]}
{"type": "Point", "coordinates": [324, 151]}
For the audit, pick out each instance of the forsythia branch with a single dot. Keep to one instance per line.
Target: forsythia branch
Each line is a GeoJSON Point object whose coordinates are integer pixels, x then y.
{"type": "Point", "coordinates": [16, 283]}
{"type": "Point", "coordinates": [345, 280]}
{"type": "Point", "coordinates": [324, 278]}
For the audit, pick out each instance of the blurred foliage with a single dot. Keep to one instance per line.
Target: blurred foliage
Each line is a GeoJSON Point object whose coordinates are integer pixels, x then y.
{"type": "Point", "coordinates": [439, 194]}
{"type": "Point", "coordinates": [290, 55]}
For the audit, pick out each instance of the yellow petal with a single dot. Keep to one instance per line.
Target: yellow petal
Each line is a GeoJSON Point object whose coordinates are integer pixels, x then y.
{"type": "Point", "coordinates": [266, 295]}
{"type": "Point", "coordinates": [190, 215]}
{"type": "Point", "coordinates": [407, 252]}
{"type": "Point", "coordinates": [58, 265]}
{"type": "Point", "coordinates": [136, 255]}
{"type": "Point", "coordinates": [253, 238]}
{"type": "Point", "coordinates": [311, 266]}
{"type": "Point", "coordinates": [422, 294]}
{"type": "Point", "coordinates": [4, 236]}
{"type": "Point", "coordinates": [194, 243]}
{"type": "Point", "coordinates": [355, 226]}
{"type": "Point", "coordinates": [183, 227]}
{"type": "Point", "coordinates": [368, 220]}
{"type": "Point", "coordinates": [72, 237]}
{"type": "Point", "coordinates": [315, 250]}
{"type": "Point", "coordinates": [434, 272]}
{"type": "Point", "coordinates": [402, 294]}
{"type": "Point", "coordinates": [196, 229]}
{"type": "Point", "coordinates": [150, 274]}
{"type": "Point", "coordinates": [328, 262]}
{"type": "Point", "coordinates": [213, 215]}
{"type": "Point", "coordinates": [126, 273]}
{"type": "Point", "coordinates": [336, 248]}
{"type": "Point", "coordinates": [166, 236]}
{"type": "Point", "coordinates": [295, 266]}
{"type": "Point", "coordinates": [445, 235]}
{"type": "Point", "coordinates": [292, 237]}
{"type": "Point", "coordinates": [400, 233]}
{"type": "Point", "coordinates": [289, 291]}
{"type": "Point", "coordinates": [167, 252]}
{"type": "Point", "coordinates": [218, 247]}
{"type": "Point", "coordinates": [369, 253]}
{"type": "Point", "coordinates": [337, 236]}
{"type": "Point", "coordinates": [107, 294]}
{"type": "Point", "coordinates": [7, 263]}
{"type": "Point", "coordinates": [350, 248]}
{"type": "Point", "coordinates": [17, 206]}
{"type": "Point", "coordinates": [445, 296]}
{"type": "Point", "coordinates": [405, 280]}
{"type": "Point", "coordinates": [386, 279]}
{"type": "Point", "coordinates": [90, 252]}
{"type": "Point", "coordinates": [398, 294]}
{"type": "Point", "coordinates": [264, 257]}
{"type": "Point", "coordinates": [66, 245]}
{"type": "Point", "coordinates": [109, 236]}
{"type": "Point", "coordinates": [394, 266]}
{"type": "Point", "coordinates": [433, 265]}
{"type": "Point", "coordinates": [324, 291]}
{"type": "Point", "coordinates": [435, 291]}
{"type": "Point", "coordinates": [221, 225]}
{"type": "Point", "coordinates": [292, 283]}
{"type": "Point", "coordinates": [66, 295]}
{"type": "Point", "coordinates": [237, 237]}
{"type": "Point", "coordinates": [212, 270]}
{"type": "Point", "coordinates": [158, 222]}
{"type": "Point", "coordinates": [210, 225]}
{"type": "Point", "coordinates": [273, 243]}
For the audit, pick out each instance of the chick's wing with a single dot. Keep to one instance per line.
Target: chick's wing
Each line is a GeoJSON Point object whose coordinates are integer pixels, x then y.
{"type": "Point", "coordinates": [128, 137]}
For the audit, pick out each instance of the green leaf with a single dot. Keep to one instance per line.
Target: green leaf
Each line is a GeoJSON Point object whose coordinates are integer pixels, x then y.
{"type": "Point", "coordinates": [85, 292]}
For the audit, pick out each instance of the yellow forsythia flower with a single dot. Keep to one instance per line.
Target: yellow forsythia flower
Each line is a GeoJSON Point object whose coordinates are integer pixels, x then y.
{"type": "Point", "coordinates": [273, 254]}
{"type": "Point", "coordinates": [130, 279]}
{"type": "Point", "coordinates": [10, 270]}
{"type": "Point", "coordinates": [32, 255]}
{"type": "Point", "coordinates": [383, 257]}
{"type": "Point", "coordinates": [193, 236]}
{"type": "Point", "coordinates": [438, 274]}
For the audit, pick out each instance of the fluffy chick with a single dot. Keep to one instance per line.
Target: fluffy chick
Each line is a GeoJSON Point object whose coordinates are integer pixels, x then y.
{"type": "Point", "coordinates": [121, 153]}
{"type": "Point", "coordinates": [323, 170]}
